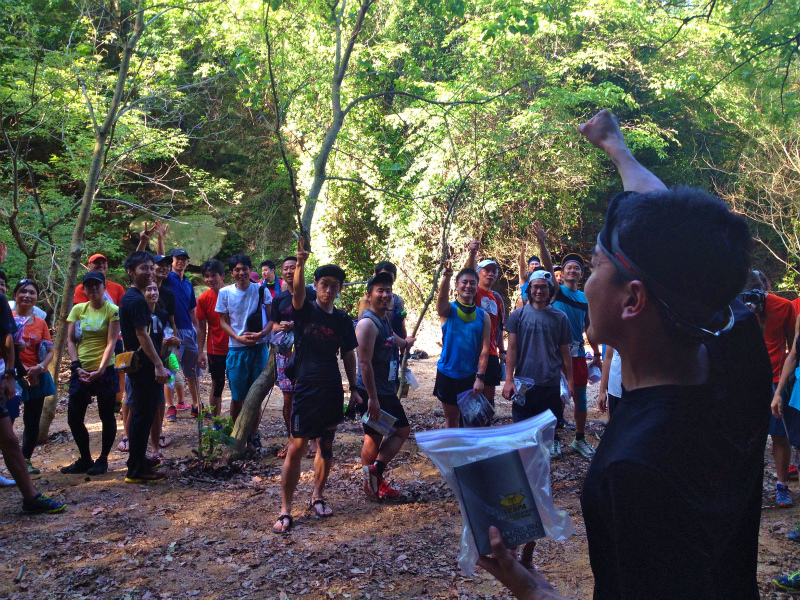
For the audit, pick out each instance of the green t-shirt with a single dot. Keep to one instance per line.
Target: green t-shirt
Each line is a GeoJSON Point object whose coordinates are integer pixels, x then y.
{"type": "Point", "coordinates": [94, 332]}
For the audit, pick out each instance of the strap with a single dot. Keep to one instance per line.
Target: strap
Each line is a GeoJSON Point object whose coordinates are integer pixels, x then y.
{"type": "Point", "coordinates": [499, 299]}
{"type": "Point", "coordinates": [564, 299]}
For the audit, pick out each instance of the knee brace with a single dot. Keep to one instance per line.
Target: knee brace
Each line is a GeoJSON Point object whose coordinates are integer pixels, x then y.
{"type": "Point", "coordinates": [325, 442]}
{"type": "Point", "coordinates": [580, 399]}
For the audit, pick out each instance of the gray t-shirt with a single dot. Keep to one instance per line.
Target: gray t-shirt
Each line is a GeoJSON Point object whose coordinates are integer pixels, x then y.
{"type": "Point", "coordinates": [539, 335]}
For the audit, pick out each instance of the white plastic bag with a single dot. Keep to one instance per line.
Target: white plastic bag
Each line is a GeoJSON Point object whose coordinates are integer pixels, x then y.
{"type": "Point", "coordinates": [411, 380]}
{"type": "Point", "coordinates": [476, 411]}
{"type": "Point", "coordinates": [564, 389]}
{"type": "Point", "coordinates": [595, 374]}
{"type": "Point", "coordinates": [531, 441]}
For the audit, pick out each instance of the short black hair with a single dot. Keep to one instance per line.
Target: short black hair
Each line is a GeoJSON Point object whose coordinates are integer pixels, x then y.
{"type": "Point", "coordinates": [22, 283]}
{"type": "Point", "coordinates": [294, 258]}
{"type": "Point", "coordinates": [136, 258]}
{"type": "Point", "coordinates": [688, 241]}
{"type": "Point", "coordinates": [267, 263]}
{"type": "Point", "coordinates": [330, 271]}
{"type": "Point", "coordinates": [387, 266]}
{"type": "Point", "coordinates": [467, 271]}
{"type": "Point", "coordinates": [384, 277]}
{"type": "Point", "coordinates": [534, 258]}
{"type": "Point", "coordinates": [214, 266]}
{"type": "Point", "coordinates": [239, 259]}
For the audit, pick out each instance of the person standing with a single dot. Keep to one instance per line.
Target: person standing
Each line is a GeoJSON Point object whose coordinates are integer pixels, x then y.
{"type": "Point", "coordinates": [35, 353]}
{"type": "Point", "coordinates": [525, 269]}
{"type": "Point", "coordinates": [137, 324]}
{"type": "Point", "coordinates": [376, 382]}
{"type": "Point", "coordinates": [322, 332]}
{"type": "Point", "coordinates": [185, 321]}
{"type": "Point", "coordinates": [269, 279]}
{"type": "Point", "coordinates": [91, 339]}
{"type": "Point", "coordinates": [211, 336]}
{"type": "Point", "coordinates": [466, 330]}
{"type": "Point", "coordinates": [538, 348]}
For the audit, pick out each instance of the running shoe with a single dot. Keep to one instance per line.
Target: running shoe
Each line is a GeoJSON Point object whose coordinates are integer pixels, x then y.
{"type": "Point", "coordinates": [795, 535]}
{"type": "Point", "coordinates": [154, 461]}
{"type": "Point", "coordinates": [194, 412]}
{"type": "Point", "coordinates": [372, 481]}
{"type": "Point", "coordinates": [147, 477]}
{"type": "Point", "coordinates": [31, 469]}
{"type": "Point", "coordinates": [42, 504]}
{"type": "Point", "coordinates": [790, 583]}
{"type": "Point", "coordinates": [783, 495]}
{"type": "Point", "coordinates": [82, 465]}
{"type": "Point", "coordinates": [172, 414]}
{"type": "Point", "coordinates": [100, 466]}
{"type": "Point", "coordinates": [207, 415]}
{"type": "Point", "coordinates": [182, 406]}
{"type": "Point", "coordinates": [6, 482]}
{"type": "Point", "coordinates": [582, 447]}
{"type": "Point", "coordinates": [555, 451]}
{"type": "Point", "coordinates": [386, 492]}
{"type": "Point", "coordinates": [792, 472]}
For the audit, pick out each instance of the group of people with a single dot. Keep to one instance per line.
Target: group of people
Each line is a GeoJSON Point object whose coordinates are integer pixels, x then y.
{"type": "Point", "coordinates": [686, 374]}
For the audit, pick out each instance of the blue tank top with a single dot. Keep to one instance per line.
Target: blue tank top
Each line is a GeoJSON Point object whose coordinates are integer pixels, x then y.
{"type": "Point", "coordinates": [461, 344]}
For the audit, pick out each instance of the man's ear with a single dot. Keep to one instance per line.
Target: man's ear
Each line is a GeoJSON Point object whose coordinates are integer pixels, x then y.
{"type": "Point", "coordinates": [636, 300]}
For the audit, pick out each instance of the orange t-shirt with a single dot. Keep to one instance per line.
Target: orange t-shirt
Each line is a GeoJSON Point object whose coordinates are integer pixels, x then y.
{"type": "Point", "coordinates": [217, 339]}
{"type": "Point", "coordinates": [31, 333]}
{"type": "Point", "coordinates": [780, 319]}
{"type": "Point", "coordinates": [114, 293]}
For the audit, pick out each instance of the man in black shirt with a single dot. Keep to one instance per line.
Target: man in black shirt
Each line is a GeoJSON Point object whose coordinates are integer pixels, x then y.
{"type": "Point", "coordinates": [672, 499]}
{"type": "Point", "coordinates": [147, 383]}
{"type": "Point", "coordinates": [321, 333]}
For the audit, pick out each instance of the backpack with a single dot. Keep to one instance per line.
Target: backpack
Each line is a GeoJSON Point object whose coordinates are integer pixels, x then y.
{"type": "Point", "coordinates": [257, 320]}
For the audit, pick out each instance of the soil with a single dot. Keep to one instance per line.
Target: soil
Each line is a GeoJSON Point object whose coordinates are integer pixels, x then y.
{"type": "Point", "coordinates": [206, 531]}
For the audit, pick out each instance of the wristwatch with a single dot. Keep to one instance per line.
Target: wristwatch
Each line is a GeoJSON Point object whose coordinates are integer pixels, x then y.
{"type": "Point", "coordinates": [8, 375]}
{"type": "Point", "coordinates": [481, 376]}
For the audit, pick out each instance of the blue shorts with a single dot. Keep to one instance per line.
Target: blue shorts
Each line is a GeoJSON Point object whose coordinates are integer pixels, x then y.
{"type": "Point", "coordinates": [244, 364]}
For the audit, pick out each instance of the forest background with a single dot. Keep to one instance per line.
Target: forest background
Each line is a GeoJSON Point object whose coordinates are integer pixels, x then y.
{"type": "Point", "coordinates": [381, 129]}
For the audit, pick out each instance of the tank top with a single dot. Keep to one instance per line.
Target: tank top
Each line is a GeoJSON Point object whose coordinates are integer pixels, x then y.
{"type": "Point", "coordinates": [461, 345]}
{"type": "Point", "coordinates": [383, 364]}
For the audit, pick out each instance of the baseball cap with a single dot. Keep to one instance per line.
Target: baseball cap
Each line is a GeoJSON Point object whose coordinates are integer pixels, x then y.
{"type": "Point", "coordinates": [159, 258]}
{"type": "Point", "coordinates": [95, 276]}
{"type": "Point", "coordinates": [329, 271]}
{"type": "Point", "coordinates": [383, 277]}
{"type": "Point", "coordinates": [94, 257]}
{"type": "Point", "coordinates": [179, 252]}
{"type": "Point", "coordinates": [485, 263]}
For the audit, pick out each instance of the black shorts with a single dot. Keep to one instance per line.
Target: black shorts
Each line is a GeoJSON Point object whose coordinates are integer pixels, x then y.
{"type": "Point", "coordinates": [390, 404]}
{"type": "Point", "coordinates": [316, 408]}
{"type": "Point", "coordinates": [216, 366]}
{"type": "Point", "coordinates": [493, 371]}
{"type": "Point", "coordinates": [537, 400]}
{"type": "Point", "coordinates": [447, 389]}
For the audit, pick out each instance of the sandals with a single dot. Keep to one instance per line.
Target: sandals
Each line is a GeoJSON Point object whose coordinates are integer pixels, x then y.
{"type": "Point", "coordinates": [288, 527]}
{"type": "Point", "coordinates": [123, 445]}
{"type": "Point", "coordinates": [283, 451]}
{"type": "Point", "coordinates": [312, 506]}
{"type": "Point", "coordinates": [163, 442]}
{"type": "Point", "coordinates": [310, 453]}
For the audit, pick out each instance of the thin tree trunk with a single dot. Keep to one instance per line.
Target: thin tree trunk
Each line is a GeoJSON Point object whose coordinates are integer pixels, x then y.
{"type": "Point", "coordinates": [76, 246]}
{"type": "Point", "coordinates": [251, 407]}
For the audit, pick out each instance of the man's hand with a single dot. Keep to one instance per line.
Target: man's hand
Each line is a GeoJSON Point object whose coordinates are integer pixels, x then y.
{"type": "Point", "coordinates": [172, 341]}
{"type": "Point", "coordinates": [162, 375]}
{"type": "Point", "coordinates": [302, 253]}
{"type": "Point", "coordinates": [509, 389]}
{"type": "Point", "coordinates": [519, 576]}
{"type": "Point", "coordinates": [447, 269]}
{"type": "Point", "coordinates": [202, 361]}
{"type": "Point", "coordinates": [478, 386]}
{"type": "Point", "coordinates": [410, 340]}
{"type": "Point", "coordinates": [777, 406]}
{"type": "Point", "coordinates": [161, 229]}
{"type": "Point", "coordinates": [597, 361]}
{"type": "Point", "coordinates": [373, 409]}
{"type": "Point", "coordinates": [473, 247]}
{"type": "Point", "coordinates": [248, 339]}
{"type": "Point", "coordinates": [7, 389]}
{"type": "Point", "coordinates": [539, 231]}
{"type": "Point", "coordinates": [603, 131]}
{"type": "Point", "coordinates": [602, 400]}
{"type": "Point", "coordinates": [93, 376]}
{"type": "Point", "coordinates": [144, 235]}
{"type": "Point", "coordinates": [282, 326]}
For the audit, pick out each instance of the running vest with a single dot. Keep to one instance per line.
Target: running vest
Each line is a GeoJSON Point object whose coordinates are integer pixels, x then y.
{"type": "Point", "coordinates": [461, 344]}
{"type": "Point", "coordinates": [384, 364]}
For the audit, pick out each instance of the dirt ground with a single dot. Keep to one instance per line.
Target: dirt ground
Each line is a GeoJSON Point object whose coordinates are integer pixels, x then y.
{"type": "Point", "coordinates": [205, 533]}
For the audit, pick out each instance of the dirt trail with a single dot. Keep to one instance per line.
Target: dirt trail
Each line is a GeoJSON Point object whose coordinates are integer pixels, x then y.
{"type": "Point", "coordinates": [206, 533]}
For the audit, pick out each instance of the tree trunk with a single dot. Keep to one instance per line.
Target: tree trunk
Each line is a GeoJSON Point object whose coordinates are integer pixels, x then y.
{"type": "Point", "coordinates": [251, 407]}
{"type": "Point", "coordinates": [76, 246]}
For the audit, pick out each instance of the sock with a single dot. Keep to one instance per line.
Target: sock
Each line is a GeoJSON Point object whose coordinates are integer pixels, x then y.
{"type": "Point", "coordinates": [580, 436]}
{"type": "Point", "coordinates": [381, 466]}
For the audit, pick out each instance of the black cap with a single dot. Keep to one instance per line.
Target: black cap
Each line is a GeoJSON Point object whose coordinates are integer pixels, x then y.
{"type": "Point", "coordinates": [159, 258]}
{"type": "Point", "coordinates": [329, 271]}
{"type": "Point", "coordinates": [573, 257]}
{"type": "Point", "coordinates": [382, 277]}
{"type": "Point", "coordinates": [179, 252]}
{"type": "Point", "coordinates": [95, 276]}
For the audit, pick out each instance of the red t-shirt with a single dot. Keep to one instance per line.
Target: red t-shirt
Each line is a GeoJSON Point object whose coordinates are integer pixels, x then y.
{"type": "Point", "coordinates": [488, 302]}
{"type": "Point", "coordinates": [114, 293]}
{"type": "Point", "coordinates": [31, 332]}
{"type": "Point", "coordinates": [217, 339]}
{"type": "Point", "coordinates": [796, 304]}
{"type": "Point", "coordinates": [780, 319]}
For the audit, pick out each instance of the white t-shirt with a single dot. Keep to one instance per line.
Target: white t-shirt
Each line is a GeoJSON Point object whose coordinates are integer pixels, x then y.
{"type": "Point", "coordinates": [239, 305]}
{"type": "Point", "coordinates": [37, 312]}
{"type": "Point", "coordinates": [615, 376]}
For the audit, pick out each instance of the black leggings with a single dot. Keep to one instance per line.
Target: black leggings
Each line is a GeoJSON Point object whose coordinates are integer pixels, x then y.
{"type": "Point", "coordinates": [31, 415]}
{"type": "Point", "coordinates": [76, 413]}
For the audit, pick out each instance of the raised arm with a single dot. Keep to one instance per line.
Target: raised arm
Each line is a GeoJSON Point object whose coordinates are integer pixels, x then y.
{"type": "Point", "coordinates": [472, 255]}
{"type": "Point", "coordinates": [299, 294]}
{"type": "Point", "coordinates": [144, 237]}
{"type": "Point", "coordinates": [522, 262]}
{"type": "Point", "coordinates": [162, 230]}
{"type": "Point", "coordinates": [443, 301]}
{"type": "Point", "coordinates": [541, 237]}
{"type": "Point", "coordinates": [603, 131]}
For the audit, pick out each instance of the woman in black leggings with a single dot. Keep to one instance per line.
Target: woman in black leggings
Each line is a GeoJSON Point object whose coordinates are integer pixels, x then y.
{"type": "Point", "coordinates": [92, 335]}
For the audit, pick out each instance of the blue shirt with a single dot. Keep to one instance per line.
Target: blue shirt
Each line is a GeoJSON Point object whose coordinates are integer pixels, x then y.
{"type": "Point", "coordinates": [461, 344]}
{"type": "Point", "coordinates": [184, 299]}
{"type": "Point", "coordinates": [573, 304]}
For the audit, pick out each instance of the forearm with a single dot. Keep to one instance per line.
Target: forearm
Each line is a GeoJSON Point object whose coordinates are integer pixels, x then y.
{"type": "Point", "coordinates": [547, 260]}
{"type": "Point", "coordinates": [299, 293]}
{"type": "Point", "coordinates": [147, 346]}
{"type": "Point", "coordinates": [47, 358]}
{"type": "Point", "coordinates": [72, 349]}
{"type": "Point", "coordinates": [443, 301]}
{"type": "Point", "coordinates": [142, 245]}
{"type": "Point", "coordinates": [635, 177]}
{"type": "Point", "coordinates": [107, 355]}
{"type": "Point", "coordinates": [160, 244]}
{"type": "Point", "coordinates": [789, 365]}
{"type": "Point", "coordinates": [225, 325]}
{"type": "Point", "coordinates": [472, 261]}
{"type": "Point", "coordinates": [566, 361]}
{"type": "Point", "coordinates": [511, 362]}
{"type": "Point", "coordinates": [349, 360]}
{"type": "Point", "coordinates": [7, 351]}
{"type": "Point", "coordinates": [368, 378]}
{"type": "Point", "coordinates": [201, 335]}
{"type": "Point", "coordinates": [606, 371]}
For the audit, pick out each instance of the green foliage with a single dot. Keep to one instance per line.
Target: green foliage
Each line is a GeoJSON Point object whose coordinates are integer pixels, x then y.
{"type": "Point", "coordinates": [215, 437]}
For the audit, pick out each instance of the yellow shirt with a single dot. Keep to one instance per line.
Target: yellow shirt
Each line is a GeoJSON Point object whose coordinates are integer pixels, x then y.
{"type": "Point", "coordinates": [94, 332]}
